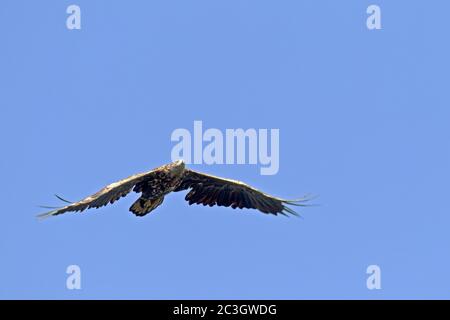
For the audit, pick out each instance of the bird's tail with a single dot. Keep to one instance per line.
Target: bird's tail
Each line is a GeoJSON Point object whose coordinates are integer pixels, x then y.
{"type": "Point", "coordinates": [142, 206]}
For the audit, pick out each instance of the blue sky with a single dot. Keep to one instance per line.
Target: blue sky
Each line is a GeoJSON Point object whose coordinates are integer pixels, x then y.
{"type": "Point", "coordinates": [363, 118]}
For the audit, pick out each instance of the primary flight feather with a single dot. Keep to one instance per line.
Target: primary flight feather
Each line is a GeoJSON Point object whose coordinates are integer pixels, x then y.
{"type": "Point", "coordinates": [173, 177]}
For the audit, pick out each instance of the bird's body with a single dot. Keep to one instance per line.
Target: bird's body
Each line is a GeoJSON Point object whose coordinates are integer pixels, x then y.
{"type": "Point", "coordinates": [165, 180]}
{"type": "Point", "coordinates": [205, 189]}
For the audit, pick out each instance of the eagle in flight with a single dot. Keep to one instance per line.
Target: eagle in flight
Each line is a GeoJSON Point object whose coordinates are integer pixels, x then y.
{"type": "Point", "coordinates": [203, 189]}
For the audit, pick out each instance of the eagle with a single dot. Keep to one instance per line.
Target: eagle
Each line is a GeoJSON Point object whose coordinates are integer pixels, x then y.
{"type": "Point", "coordinates": [203, 188]}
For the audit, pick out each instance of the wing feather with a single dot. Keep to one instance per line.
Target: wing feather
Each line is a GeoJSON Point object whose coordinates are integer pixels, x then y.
{"type": "Point", "coordinates": [107, 195]}
{"type": "Point", "coordinates": [211, 190]}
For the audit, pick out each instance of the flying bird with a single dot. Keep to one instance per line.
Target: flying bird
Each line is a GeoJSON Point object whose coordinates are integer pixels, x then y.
{"type": "Point", "coordinates": [204, 189]}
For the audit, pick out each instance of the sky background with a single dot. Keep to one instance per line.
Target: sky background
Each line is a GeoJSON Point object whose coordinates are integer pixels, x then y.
{"type": "Point", "coordinates": [363, 118]}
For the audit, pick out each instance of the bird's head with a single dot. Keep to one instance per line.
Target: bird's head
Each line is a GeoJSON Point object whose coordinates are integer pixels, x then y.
{"type": "Point", "coordinates": [177, 167]}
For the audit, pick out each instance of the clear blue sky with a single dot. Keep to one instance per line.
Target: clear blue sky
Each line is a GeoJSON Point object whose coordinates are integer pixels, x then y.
{"type": "Point", "coordinates": [363, 118]}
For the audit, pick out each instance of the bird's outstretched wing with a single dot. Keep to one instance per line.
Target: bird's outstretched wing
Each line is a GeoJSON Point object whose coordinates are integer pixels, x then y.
{"type": "Point", "coordinates": [210, 190]}
{"type": "Point", "coordinates": [108, 194]}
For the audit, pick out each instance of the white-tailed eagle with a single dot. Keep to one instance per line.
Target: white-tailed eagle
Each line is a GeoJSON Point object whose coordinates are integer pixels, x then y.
{"type": "Point", "coordinates": [173, 177]}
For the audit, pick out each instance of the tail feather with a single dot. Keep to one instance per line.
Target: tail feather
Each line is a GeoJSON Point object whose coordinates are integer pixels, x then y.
{"type": "Point", "coordinates": [142, 206]}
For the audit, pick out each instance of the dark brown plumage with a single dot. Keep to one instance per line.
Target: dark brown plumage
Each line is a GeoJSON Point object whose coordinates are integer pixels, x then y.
{"type": "Point", "coordinates": [203, 189]}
